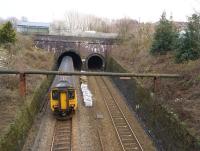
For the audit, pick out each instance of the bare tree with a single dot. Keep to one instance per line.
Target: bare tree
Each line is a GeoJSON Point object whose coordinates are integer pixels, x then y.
{"type": "Point", "coordinates": [73, 21]}
{"type": "Point", "coordinates": [58, 27]}
{"type": "Point", "coordinates": [124, 27]}
{"type": "Point", "coordinates": [13, 20]}
{"type": "Point", "coordinates": [24, 19]}
{"type": "Point", "coordinates": [82, 22]}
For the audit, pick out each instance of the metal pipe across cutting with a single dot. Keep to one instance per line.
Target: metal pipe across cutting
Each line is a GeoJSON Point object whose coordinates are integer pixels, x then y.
{"type": "Point", "coordinates": [45, 72]}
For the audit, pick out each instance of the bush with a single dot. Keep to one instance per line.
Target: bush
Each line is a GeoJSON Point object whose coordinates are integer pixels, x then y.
{"type": "Point", "coordinates": [189, 43]}
{"type": "Point", "coordinates": [7, 33]}
{"type": "Point", "coordinates": [164, 37]}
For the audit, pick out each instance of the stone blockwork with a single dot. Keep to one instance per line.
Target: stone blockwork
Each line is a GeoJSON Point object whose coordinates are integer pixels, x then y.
{"type": "Point", "coordinates": [85, 51]}
{"type": "Point", "coordinates": [81, 45]}
{"type": "Point", "coordinates": [167, 130]}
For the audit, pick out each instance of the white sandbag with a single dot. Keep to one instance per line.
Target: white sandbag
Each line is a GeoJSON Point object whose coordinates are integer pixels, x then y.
{"type": "Point", "coordinates": [87, 95]}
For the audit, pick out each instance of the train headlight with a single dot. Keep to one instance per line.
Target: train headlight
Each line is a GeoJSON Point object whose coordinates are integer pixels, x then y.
{"type": "Point", "coordinates": [55, 106]}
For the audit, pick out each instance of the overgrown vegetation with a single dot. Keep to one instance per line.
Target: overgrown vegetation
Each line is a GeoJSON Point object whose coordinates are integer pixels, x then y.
{"type": "Point", "coordinates": [189, 42]}
{"type": "Point", "coordinates": [180, 95]}
{"type": "Point", "coordinates": [170, 133]}
{"type": "Point", "coordinates": [77, 22]}
{"type": "Point", "coordinates": [186, 43]}
{"type": "Point", "coordinates": [165, 36]}
{"type": "Point", "coordinates": [7, 34]}
{"type": "Point", "coordinates": [24, 56]}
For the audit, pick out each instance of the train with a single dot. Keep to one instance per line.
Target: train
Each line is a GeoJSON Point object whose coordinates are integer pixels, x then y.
{"type": "Point", "coordinates": [63, 96]}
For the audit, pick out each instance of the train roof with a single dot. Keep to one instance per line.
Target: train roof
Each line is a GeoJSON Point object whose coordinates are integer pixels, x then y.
{"type": "Point", "coordinates": [63, 84]}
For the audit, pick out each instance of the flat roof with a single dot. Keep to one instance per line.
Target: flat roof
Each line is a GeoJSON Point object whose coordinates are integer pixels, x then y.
{"type": "Point", "coordinates": [63, 84]}
{"type": "Point", "coordinates": [33, 24]}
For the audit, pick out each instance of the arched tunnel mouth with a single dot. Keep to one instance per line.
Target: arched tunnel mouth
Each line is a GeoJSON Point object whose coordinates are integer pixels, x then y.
{"type": "Point", "coordinates": [95, 62]}
{"type": "Point", "coordinates": [75, 57]}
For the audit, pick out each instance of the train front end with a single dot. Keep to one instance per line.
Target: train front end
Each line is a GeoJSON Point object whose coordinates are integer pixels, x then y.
{"type": "Point", "coordinates": [63, 99]}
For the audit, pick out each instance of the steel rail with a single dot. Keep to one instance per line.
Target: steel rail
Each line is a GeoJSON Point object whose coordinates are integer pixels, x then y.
{"type": "Point", "coordinates": [100, 139]}
{"type": "Point", "coordinates": [62, 138]}
{"type": "Point", "coordinates": [45, 72]}
{"type": "Point", "coordinates": [120, 117]}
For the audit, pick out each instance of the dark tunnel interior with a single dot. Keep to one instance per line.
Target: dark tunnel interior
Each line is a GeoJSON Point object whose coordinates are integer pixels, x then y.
{"type": "Point", "coordinates": [95, 63]}
{"type": "Point", "coordinates": [75, 57]}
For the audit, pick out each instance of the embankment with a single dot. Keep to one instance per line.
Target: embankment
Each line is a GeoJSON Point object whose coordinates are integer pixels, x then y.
{"type": "Point", "coordinates": [15, 137]}
{"type": "Point", "coordinates": [168, 131]}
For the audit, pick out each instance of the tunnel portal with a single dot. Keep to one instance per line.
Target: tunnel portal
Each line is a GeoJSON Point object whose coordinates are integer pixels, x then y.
{"type": "Point", "coordinates": [75, 57]}
{"type": "Point", "coordinates": [95, 62]}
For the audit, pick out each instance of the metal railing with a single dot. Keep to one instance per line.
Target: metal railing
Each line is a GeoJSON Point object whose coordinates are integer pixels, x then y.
{"type": "Point", "coordinates": [45, 72]}
{"type": "Point", "coordinates": [22, 76]}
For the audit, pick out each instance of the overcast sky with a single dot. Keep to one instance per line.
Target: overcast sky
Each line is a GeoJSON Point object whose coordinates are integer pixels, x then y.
{"type": "Point", "coordinates": [143, 10]}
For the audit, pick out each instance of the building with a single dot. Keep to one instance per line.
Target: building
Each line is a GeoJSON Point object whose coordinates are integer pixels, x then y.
{"type": "Point", "coordinates": [33, 27]}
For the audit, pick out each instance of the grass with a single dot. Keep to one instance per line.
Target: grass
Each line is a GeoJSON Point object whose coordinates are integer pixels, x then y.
{"type": "Point", "coordinates": [22, 56]}
{"type": "Point", "coordinates": [134, 55]}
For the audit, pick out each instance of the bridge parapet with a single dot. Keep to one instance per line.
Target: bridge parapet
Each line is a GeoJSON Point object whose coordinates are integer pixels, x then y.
{"type": "Point", "coordinates": [108, 38]}
{"type": "Point", "coordinates": [83, 45]}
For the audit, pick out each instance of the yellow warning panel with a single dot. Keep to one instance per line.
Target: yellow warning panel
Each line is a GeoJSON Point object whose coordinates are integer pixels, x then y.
{"type": "Point", "coordinates": [63, 100]}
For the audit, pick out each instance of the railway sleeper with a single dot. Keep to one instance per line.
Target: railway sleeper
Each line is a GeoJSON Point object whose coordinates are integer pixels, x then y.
{"type": "Point", "coordinates": [62, 133]}
{"type": "Point", "coordinates": [123, 129]}
{"type": "Point", "coordinates": [65, 132]}
{"type": "Point", "coordinates": [61, 139]}
{"type": "Point", "coordinates": [112, 105]}
{"type": "Point", "coordinates": [114, 113]}
{"type": "Point", "coordinates": [130, 144]}
{"type": "Point", "coordinates": [119, 118]}
{"type": "Point", "coordinates": [125, 133]}
{"type": "Point", "coordinates": [131, 149]}
{"type": "Point", "coordinates": [63, 129]}
{"type": "Point", "coordinates": [62, 149]}
{"type": "Point", "coordinates": [128, 140]}
{"type": "Point", "coordinates": [62, 144]}
{"type": "Point", "coordinates": [116, 116]}
{"type": "Point", "coordinates": [120, 124]}
{"type": "Point", "coordinates": [126, 137]}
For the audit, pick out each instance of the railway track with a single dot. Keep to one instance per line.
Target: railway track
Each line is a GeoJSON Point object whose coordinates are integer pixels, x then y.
{"type": "Point", "coordinates": [125, 133]}
{"type": "Point", "coordinates": [62, 138]}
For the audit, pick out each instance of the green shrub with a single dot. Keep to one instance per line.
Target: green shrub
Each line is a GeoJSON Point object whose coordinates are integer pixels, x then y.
{"type": "Point", "coordinates": [165, 36]}
{"type": "Point", "coordinates": [189, 43]}
{"type": "Point", "coordinates": [7, 33]}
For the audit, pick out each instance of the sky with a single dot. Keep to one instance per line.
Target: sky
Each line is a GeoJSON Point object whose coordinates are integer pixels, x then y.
{"type": "Point", "coordinates": [142, 10]}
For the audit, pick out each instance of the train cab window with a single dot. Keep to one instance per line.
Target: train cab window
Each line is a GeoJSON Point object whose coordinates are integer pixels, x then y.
{"type": "Point", "coordinates": [71, 94]}
{"type": "Point", "coordinates": [55, 94]}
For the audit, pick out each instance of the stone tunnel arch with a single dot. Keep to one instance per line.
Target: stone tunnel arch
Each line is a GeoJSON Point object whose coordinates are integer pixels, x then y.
{"type": "Point", "coordinates": [75, 57]}
{"type": "Point", "coordinates": [95, 61]}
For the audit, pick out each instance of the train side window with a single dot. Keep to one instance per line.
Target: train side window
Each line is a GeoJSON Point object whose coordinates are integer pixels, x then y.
{"type": "Point", "coordinates": [55, 94]}
{"type": "Point", "coordinates": [71, 94]}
